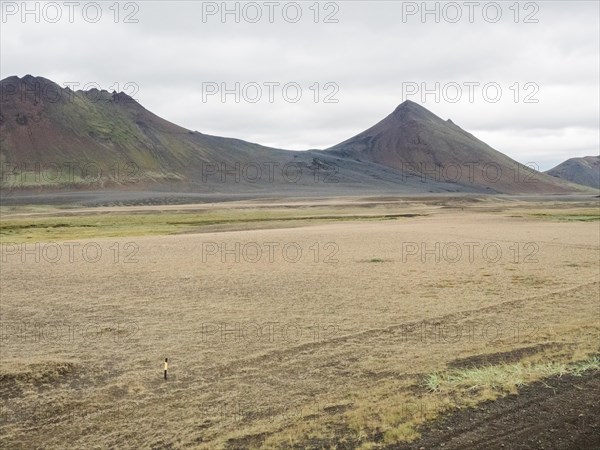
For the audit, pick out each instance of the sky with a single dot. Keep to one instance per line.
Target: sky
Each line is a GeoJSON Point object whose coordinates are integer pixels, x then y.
{"type": "Point", "coordinates": [521, 76]}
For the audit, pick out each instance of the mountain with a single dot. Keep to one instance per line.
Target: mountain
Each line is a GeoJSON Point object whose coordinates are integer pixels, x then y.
{"type": "Point", "coordinates": [55, 139]}
{"type": "Point", "coordinates": [584, 171]}
{"type": "Point", "coordinates": [412, 137]}
{"type": "Point", "coordinates": [42, 123]}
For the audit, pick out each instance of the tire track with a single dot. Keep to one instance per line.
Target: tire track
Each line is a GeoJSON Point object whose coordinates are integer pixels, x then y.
{"type": "Point", "coordinates": [311, 347]}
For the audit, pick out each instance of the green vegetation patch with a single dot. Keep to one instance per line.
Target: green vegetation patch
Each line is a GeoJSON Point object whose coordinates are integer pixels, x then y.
{"type": "Point", "coordinates": [504, 378]}
{"type": "Point", "coordinates": [53, 228]}
{"type": "Point", "coordinates": [579, 216]}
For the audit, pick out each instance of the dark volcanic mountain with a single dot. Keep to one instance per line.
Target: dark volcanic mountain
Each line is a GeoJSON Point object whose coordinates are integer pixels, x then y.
{"type": "Point", "coordinates": [413, 137]}
{"type": "Point", "coordinates": [43, 123]}
{"type": "Point", "coordinates": [46, 130]}
{"type": "Point", "coordinates": [97, 140]}
{"type": "Point", "coordinates": [585, 171]}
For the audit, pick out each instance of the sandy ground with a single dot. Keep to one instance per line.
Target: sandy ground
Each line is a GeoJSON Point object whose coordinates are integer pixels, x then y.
{"type": "Point", "coordinates": [335, 311]}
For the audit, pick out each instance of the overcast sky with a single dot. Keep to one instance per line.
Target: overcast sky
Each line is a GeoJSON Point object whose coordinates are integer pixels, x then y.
{"type": "Point", "coordinates": [368, 56]}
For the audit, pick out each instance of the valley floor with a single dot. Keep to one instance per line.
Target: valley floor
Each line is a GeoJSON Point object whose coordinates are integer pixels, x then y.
{"type": "Point", "coordinates": [333, 323]}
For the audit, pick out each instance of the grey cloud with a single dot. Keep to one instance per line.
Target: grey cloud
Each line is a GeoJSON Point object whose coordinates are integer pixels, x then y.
{"type": "Point", "coordinates": [369, 54]}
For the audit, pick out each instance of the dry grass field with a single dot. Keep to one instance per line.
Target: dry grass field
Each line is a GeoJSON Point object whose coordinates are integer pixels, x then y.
{"type": "Point", "coordinates": [333, 323]}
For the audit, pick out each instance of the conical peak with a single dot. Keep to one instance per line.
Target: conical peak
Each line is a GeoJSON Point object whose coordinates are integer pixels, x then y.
{"type": "Point", "coordinates": [410, 108]}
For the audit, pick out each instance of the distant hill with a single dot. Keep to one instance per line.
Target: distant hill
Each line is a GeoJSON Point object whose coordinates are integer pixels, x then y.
{"type": "Point", "coordinates": [43, 125]}
{"type": "Point", "coordinates": [585, 171]}
{"type": "Point", "coordinates": [413, 137]}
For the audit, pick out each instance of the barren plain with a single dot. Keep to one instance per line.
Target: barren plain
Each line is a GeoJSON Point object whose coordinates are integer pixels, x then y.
{"type": "Point", "coordinates": [330, 323]}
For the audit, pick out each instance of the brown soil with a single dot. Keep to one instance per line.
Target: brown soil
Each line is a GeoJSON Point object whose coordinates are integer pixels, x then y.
{"type": "Point", "coordinates": [558, 413]}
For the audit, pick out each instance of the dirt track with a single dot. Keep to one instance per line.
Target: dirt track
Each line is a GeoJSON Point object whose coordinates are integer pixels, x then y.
{"type": "Point", "coordinates": [560, 413]}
